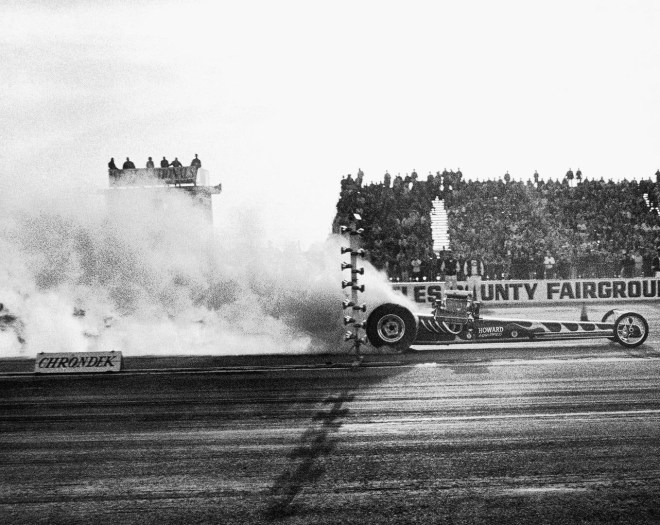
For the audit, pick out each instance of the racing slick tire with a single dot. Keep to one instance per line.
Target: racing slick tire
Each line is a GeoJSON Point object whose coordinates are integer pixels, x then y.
{"type": "Point", "coordinates": [392, 325]}
{"type": "Point", "coordinates": [630, 330]}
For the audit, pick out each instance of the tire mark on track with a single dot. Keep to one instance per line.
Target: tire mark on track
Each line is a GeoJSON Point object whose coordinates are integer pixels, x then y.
{"type": "Point", "coordinates": [316, 442]}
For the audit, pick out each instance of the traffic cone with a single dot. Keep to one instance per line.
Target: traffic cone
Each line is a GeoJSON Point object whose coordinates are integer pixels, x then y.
{"type": "Point", "coordinates": [583, 313]}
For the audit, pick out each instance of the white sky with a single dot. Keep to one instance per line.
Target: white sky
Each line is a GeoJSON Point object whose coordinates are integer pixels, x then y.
{"type": "Point", "coordinates": [280, 99]}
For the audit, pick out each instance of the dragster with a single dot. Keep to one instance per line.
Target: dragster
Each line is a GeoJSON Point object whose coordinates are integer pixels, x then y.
{"type": "Point", "coordinates": [456, 319]}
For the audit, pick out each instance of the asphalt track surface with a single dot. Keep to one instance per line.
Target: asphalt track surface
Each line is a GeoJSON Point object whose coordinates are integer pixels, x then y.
{"type": "Point", "coordinates": [556, 434]}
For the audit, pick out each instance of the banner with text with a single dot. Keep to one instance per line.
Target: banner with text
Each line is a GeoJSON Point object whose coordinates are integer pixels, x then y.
{"type": "Point", "coordinates": [77, 362]}
{"type": "Point", "coordinates": [551, 291]}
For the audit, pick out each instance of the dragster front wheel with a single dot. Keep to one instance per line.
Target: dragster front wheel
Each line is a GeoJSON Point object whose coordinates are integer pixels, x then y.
{"type": "Point", "coordinates": [630, 330]}
{"type": "Point", "coordinates": [392, 325]}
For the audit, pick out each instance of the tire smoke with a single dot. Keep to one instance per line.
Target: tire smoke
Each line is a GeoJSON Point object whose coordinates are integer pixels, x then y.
{"type": "Point", "coordinates": [147, 273]}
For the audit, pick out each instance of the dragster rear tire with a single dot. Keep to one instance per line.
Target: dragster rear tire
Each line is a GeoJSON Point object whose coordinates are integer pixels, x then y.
{"type": "Point", "coordinates": [630, 330]}
{"type": "Point", "coordinates": [392, 325]}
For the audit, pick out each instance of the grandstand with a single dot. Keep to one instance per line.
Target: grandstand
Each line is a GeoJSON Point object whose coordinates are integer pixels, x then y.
{"type": "Point", "coordinates": [510, 224]}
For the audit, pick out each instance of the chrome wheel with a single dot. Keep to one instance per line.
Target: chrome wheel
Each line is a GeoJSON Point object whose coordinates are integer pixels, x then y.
{"type": "Point", "coordinates": [631, 330]}
{"type": "Point", "coordinates": [391, 328]}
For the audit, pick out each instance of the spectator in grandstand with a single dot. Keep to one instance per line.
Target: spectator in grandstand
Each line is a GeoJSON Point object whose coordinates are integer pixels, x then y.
{"type": "Point", "coordinates": [473, 268]}
{"type": "Point", "coordinates": [495, 270]}
{"type": "Point", "coordinates": [532, 266]}
{"type": "Point", "coordinates": [655, 264]}
{"type": "Point", "coordinates": [584, 226]}
{"type": "Point", "coordinates": [589, 264]}
{"type": "Point", "coordinates": [626, 265]}
{"type": "Point", "coordinates": [416, 265]}
{"type": "Point", "coordinates": [449, 268]}
{"type": "Point", "coordinates": [430, 265]}
{"type": "Point", "coordinates": [111, 164]}
{"type": "Point", "coordinates": [150, 163]}
{"type": "Point", "coordinates": [461, 265]}
{"type": "Point", "coordinates": [359, 177]}
{"type": "Point", "coordinates": [639, 262]}
{"type": "Point", "coordinates": [128, 165]}
{"type": "Point", "coordinates": [403, 267]}
{"type": "Point", "coordinates": [196, 163]}
{"type": "Point", "coordinates": [519, 265]}
{"type": "Point", "coordinates": [549, 266]}
{"type": "Point", "coordinates": [176, 163]}
{"type": "Point", "coordinates": [164, 163]}
{"type": "Point", "coordinates": [569, 176]}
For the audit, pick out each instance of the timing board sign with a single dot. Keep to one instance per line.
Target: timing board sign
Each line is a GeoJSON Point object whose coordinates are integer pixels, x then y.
{"type": "Point", "coordinates": [77, 362]}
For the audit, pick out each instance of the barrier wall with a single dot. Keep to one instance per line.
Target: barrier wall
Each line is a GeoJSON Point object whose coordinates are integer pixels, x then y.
{"type": "Point", "coordinates": [536, 292]}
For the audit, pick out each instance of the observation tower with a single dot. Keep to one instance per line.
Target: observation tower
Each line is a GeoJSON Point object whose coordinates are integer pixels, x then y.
{"type": "Point", "coordinates": [193, 180]}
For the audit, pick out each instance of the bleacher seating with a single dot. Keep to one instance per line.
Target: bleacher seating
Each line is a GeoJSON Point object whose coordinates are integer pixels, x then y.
{"type": "Point", "coordinates": [584, 225]}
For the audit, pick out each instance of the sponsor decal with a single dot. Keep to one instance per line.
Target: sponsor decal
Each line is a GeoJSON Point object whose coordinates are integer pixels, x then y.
{"type": "Point", "coordinates": [77, 362]}
{"type": "Point", "coordinates": [491, 331]}
{"type": "Point", "coordinates": [584, 290]}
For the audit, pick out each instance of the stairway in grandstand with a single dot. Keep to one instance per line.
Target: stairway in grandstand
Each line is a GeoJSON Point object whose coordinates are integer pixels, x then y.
{"type": "Point", "coordinates": [650, 206]}
{"type": "Point", "coordinates": [439, 226]}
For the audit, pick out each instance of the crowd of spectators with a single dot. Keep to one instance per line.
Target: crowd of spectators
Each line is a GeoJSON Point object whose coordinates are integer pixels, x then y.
{"type": "Point", "coordinates": [130, 165]}
{"type": "Point", "coordinates": [565, 228]}
{"type": "Point", "coordinates": [170, 171]}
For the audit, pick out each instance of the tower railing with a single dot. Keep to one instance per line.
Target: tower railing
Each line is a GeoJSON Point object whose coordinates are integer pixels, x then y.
{"type": "Point", "coordinates": [164, 176]}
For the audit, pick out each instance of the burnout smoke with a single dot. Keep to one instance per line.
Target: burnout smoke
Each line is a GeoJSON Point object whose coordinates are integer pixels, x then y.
{"type": "Point", "coordinates": [153, 277]}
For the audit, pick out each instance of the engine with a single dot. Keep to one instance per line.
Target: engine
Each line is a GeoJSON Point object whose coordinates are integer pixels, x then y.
{"type": "Point", "coordinates": [455, 309]}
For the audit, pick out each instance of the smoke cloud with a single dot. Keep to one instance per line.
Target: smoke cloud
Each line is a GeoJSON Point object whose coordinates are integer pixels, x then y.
{"type": "Point", "coordinates": [154, 277]}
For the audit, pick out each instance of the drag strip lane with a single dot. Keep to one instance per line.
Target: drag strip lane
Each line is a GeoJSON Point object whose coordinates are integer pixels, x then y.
{"type": "Point", "coordinates": [466, 442]}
